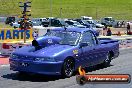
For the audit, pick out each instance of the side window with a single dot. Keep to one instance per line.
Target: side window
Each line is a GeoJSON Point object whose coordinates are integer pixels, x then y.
{"type": "Point", "coordinates": [56, 23]}
{"type": "Point", "coordinates": [88, 38]}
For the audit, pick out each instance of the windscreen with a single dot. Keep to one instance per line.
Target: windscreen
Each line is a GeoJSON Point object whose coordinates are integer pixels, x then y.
{"type": "Point", "coordinates": [67, 38]}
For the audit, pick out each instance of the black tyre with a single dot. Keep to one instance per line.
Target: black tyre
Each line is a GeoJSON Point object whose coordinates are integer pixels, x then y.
{"type": "Point", "coordinates": [68, 68]}
{"type": "Point", "coordinates": [107, 61]}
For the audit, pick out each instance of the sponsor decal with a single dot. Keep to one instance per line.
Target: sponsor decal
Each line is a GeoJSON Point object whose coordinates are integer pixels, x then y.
{"type": "Point", "coordinates": [50, 41]}
{"type": "Point", "coordinates": [75, 51]}
{"type": "Point", "coordinates": [8, 34]}
{"type": "Point", "coordinates": [84, 78]}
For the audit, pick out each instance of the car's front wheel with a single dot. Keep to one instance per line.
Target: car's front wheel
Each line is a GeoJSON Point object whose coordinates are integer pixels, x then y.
{"type": "Point", "coordinates": [68, 67]}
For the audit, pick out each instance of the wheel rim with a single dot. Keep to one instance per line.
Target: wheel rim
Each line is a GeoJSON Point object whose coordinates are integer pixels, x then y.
{"type": "Point", "coordinates": [68, 67]}
{"type": "Point", "coordinates": [107, 60]}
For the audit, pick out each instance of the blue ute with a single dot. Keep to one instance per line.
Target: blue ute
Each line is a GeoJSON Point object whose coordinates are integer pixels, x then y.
{"type": "Point", "coordinates": [62, 50]}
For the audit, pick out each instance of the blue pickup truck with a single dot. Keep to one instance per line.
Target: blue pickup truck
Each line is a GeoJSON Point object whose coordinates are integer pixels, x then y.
{"type": "Point", "coordinates": [62, 50]}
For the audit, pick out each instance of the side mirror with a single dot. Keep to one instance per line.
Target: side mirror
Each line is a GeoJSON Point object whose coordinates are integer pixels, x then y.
{"type": "Point", "coordinates": [83, 45]}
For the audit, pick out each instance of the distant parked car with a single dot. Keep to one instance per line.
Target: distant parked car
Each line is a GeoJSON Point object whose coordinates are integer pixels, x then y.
{"type": "Point", "coordinates": [95, 23]}
{"type": "Point", "coordinates": [129, 22]}
{"type": "Point", "coordinates": [44, 23]}
{"type": "Point", "coordinates": [86, 18]}
{"type": "Point", "coordinates": [9, 20]}
{"type": "Point", "coordinates": [38, 21]}
{"type": "Point", "coordinates": [72, 23]}
{"type": "Point", "coordinates": [19, 24]}
{"type": "Point", "coordinates": [15, 25]}
{"type": "Point", "coordinates": [109, 21]}
{"type": "Point", "coordinates": [53, 22]}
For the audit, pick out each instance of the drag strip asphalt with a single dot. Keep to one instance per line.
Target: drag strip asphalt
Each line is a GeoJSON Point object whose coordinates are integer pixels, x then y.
{"type": "Point", "coordinates": [120, 65]}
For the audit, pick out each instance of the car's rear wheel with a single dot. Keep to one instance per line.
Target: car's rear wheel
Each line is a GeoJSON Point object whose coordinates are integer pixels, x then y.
{"type": "Point", "coordinates": [68, 67]}
{"type": "Point", "coordinates": [107, 61]}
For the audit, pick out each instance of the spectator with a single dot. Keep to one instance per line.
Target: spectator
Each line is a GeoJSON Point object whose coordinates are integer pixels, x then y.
{"type": "Point", "coordinates": [122, 24]}
{"type": "Point", "coordinates": [105, 26]}
{"type": "Point", "coordinates": [104, 30]}
{"type": "Point", "coordinates": [109, 33]}
{"type": "Point", "coordinates": [128, 28]}
{"type": "Point", "coordinates": [35, 34]}
{"type": "Point", "coordinates": [119, 24]}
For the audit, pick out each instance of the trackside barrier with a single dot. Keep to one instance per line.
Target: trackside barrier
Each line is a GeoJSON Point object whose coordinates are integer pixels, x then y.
{"type": "Point", "coordinates": [114, 31]}
{"type": "Point", "coordinates": [9, 34]}
{"type": "Point", "coordinates": [11, 39]}
{"type": "Point", "coordinates": [124, 41]}
{"type": "Point", "coordinates": [8, 47]}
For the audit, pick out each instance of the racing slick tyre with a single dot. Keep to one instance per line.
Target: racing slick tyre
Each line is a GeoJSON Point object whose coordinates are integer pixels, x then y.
{"type": "Point", "coordinates": [107, 61]}
{"type": "Point", "coordinates": [68, 68]}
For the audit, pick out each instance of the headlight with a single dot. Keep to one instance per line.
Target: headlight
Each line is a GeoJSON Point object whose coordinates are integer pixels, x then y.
{"type": "Point", "coordinates": [44, 59]}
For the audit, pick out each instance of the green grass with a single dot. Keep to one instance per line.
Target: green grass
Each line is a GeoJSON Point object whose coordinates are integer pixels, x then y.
{"type": "Point", "coordinates": [3, 25]}
{"type": "Point", "coordinates": [119, 9]}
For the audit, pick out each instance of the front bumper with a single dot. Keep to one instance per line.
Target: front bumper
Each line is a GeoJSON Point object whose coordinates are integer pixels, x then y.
{"type": "Point", "coordinates": [47, 68]}
{"type": "Point", "coordinates": [6, 53]}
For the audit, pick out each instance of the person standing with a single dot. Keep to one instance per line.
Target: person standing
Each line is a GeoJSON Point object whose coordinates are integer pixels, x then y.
{"type": "Point", "coordinates": [104, 30]}
{"type": "Point", "coordinates": [109, 33]}
{"type": "Point", "coordinates": [122, 24]}
{"type": "Point", "coordinates": [128, 28]}
{"type": "Point", "coordinates": [35, 34]}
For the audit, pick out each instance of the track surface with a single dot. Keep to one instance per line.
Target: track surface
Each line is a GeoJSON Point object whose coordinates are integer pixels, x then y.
{"type": "Point", "coordinates": [120, 65]}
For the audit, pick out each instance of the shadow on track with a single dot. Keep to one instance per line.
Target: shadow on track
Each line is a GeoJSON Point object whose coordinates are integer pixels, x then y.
{"type": "Point", "coordinates": [94, 68]}
{"type": "Point", "coordinates": [31, 77]}
{"type": "Point", "coordinates": [44, 78]}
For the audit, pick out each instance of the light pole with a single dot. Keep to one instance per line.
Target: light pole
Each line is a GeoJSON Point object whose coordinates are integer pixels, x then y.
{"type": "Point", "coordinates": [60, 8]}
{"type": "Point", "coordinates": [96, 13]}
{"type": "Point", "coordinates": [50, 12]}
{"type": "Point", "coordinates": [51, 8]}
{"type": "Point", "coordinates": [24, 24]}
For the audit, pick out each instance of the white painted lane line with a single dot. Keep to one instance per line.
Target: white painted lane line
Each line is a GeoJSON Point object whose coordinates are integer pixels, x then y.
{"type": "Point", "coordinates": [5, 65]}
